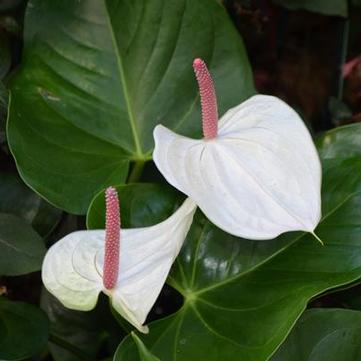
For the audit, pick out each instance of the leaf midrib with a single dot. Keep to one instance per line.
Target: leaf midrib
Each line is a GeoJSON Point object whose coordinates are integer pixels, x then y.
{"type": "Point", "coordinates": [17, 250]}
{"type": "Point", "coordinates": [138, 150]}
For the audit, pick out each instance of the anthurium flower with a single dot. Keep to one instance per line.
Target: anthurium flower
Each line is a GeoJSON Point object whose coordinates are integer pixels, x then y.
{"type": "Point", "coordinates": [128, 265]}
{"type": "Point", "coordinates": [255, 174]}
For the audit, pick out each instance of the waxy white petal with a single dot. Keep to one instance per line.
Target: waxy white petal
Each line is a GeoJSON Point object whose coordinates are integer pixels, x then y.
{"type": "Point", "coordinates": [73, 267]}
{"type": "Point", "coordinates": [69, 274]}
{"type": "Point", "coordinates": [260, 177]}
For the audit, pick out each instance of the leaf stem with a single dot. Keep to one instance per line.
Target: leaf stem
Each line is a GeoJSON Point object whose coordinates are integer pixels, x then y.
{"type": "Point", "coordinates": [136, 171]}
{"type": "Point", "coordinates": [69, 347]}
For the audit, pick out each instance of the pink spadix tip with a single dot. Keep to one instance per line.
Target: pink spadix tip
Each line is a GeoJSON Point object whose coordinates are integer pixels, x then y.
{"type": "Point", "coordinates": [112, 239]}
{"type": "Point", "coordinates": [208, 99]}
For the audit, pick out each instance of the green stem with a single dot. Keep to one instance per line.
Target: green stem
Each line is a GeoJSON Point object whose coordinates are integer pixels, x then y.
{"type": "Point", "coordinates": [69, 347]}
{"type": "Point", "coordinates": [136, 171]}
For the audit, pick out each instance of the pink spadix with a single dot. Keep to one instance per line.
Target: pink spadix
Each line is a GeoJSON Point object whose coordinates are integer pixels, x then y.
{"type": "Point", "coordinates": [208, 99]}
{"type": "Point", "coordinates": [112, 239]}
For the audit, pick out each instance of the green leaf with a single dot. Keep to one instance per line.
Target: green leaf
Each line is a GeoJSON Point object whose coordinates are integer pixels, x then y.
{"type": "Point", "coordinates": [22, 249]}
{"type": "Point", "coordinates": [101, 74]}
{"type": "Point", "coordinates": [341, 143]}
{"type": "Point", "coordinates": [81, 330]}
{"type": "Point", "coordinates": [144, 354]}
{"type": "Point", "coordinates": [141, 205]}
{"type": "Point", "coordinates": [242, 297]}
{"type": "Point", "coordinates": [326, 7]}
{"type": "Point", "coordinates": [324, 334]}
{"type": "Point", "coordinates": [24, 330]}
{"type": "Point", "coordinates": [17, 199]}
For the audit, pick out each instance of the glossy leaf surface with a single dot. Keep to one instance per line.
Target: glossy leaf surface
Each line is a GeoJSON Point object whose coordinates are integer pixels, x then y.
{"type": "Point", "coordinates": [141, 205]}
{"type": "Point", "coordinates": [101, 75]}
{"type": "Point", "coordinates": [21, 248]}
{"type": "Point", "coordinates": [324, 334]}
{"type": "Point", "coordinates": [242, 297]}
{"type": "Point", "coordinates": [24, 330]}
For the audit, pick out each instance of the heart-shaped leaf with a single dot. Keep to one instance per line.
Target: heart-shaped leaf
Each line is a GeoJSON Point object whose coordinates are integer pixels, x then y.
{"type": "Point", "coordinates": [324, 334]}
{"type": "Point", "coordinates": [22, 249]}
{"type": "Point", "coordinates": [16, 198]}
{"type": "Point", "coordinates": [242, 297]}
{"type": "Point", "coordinates": [101, 74]}
{"type": "Point", "coordinates": [24, 330]}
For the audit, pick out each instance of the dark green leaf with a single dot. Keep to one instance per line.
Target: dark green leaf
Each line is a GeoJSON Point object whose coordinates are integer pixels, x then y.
{"type": "Point", "coordinates": [24, 330]}
{"type": "Point", "coordinates": [141, 205]}
{"type": "Point", "coordinates": [82, 330]}
{"type": "Point", "coordinates": [16, 198]}
{"type": "Point", "coordinates": [326, 7]}
{"type": "Point", "coordinates": [242, 297]}
{"type": "Point", "coordinates": [341, 143]}
{"type": "Point", "coordinates": [21, 248]}
{"type": "Point", "coordinates": [101, 74]}
{"type": "Point", "coordinates": [324, 334]}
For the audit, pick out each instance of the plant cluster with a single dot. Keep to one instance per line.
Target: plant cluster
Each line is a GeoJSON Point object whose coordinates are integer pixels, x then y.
{"type": "Point", "coordinates": [154, 205]}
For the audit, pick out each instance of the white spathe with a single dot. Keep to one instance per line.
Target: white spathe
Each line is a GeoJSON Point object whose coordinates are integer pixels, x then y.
{"type": "Point", "coordinates": [261, 175]}
{"type": "Point", "coordinates": [73, 267]}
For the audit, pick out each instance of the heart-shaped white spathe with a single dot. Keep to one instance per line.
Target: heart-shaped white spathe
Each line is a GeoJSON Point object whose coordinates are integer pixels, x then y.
{"type": "Point", "coordinates": [259, 177]}
{"type": "Point", "coordinates": [73, 267]}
